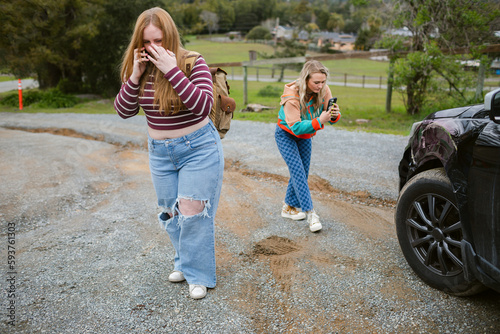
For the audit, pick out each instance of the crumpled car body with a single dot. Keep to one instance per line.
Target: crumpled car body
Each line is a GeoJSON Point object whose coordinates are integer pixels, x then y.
{"type": "Point", "coordinates": [465, 143]}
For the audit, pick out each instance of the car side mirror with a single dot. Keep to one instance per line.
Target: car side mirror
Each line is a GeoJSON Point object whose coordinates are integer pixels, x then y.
{"type": "Point", "coordinates": [492, 105]}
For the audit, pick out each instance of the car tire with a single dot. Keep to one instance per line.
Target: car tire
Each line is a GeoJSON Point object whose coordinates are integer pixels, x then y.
{"type": "Point", "coordinates": [430, 233]}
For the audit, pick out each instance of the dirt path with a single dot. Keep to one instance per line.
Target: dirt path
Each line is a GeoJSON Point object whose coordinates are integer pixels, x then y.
{"type": "Point", "coordinates": [90, 256]}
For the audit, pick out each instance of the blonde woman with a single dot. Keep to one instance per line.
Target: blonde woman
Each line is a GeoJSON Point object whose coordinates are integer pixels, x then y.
{"type": "Point", "coordinates": [303, 112]}
{"type": "Point", "coordinates": [185, 152]}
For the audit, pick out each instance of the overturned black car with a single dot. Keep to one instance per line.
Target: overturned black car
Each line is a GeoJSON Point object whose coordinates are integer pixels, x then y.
{"type": "Point", "coordinates": [448, 211]}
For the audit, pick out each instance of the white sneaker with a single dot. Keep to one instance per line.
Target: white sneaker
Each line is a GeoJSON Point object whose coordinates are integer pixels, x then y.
{"type": "Point", "coordinates": [292, 213]}
{"type": "Point", "coordinates": [197, 291]}
{"type": "Point", "coordinates": [176, 276]}
{"type": "Point", "coordinates": [313, 221]}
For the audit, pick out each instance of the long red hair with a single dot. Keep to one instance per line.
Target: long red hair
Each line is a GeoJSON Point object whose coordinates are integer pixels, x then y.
{"type": "Point", "coordinates": [165, 96]}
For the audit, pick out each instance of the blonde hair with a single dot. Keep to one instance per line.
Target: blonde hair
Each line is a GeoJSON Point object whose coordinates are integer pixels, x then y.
{"type": "Point", "coordinates": [165, 96]}
{"type": "Point", "coordinates": [309, 68]}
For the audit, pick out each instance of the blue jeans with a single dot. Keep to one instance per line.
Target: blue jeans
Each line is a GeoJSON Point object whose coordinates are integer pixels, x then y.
{"type": "Point", "coordinates": [297, 155]}
{"type": "Point", "coordinates": [189, 167]}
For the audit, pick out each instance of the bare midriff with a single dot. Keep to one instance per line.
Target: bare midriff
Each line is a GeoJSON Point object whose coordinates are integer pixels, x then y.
{"type": "Point", "coordinates": [166, 134]}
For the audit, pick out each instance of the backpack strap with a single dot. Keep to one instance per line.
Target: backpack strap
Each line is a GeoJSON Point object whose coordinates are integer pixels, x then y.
{"type": "Point", "coordinates": [189, 60]}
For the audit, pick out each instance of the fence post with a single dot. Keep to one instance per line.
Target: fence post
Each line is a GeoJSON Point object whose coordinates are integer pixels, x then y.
{"type": "Point", "coordinates": [480, 81]}
{"type": "Point", "coordinates": [245, 84]}
{"type": "Point", "coordinates": [20, 90]}
{"type": "Point", "coordinates": [345, 79]}
{"type": "Point", "coordinates": [380, 83]}
{"type": "Point", "coordinates": [363, 81]}
{"type": "Point", "coordinates": [390, 78]}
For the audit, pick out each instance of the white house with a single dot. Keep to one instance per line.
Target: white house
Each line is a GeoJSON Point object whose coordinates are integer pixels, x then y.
{"type": "Point", "coordinates": [282, 32]}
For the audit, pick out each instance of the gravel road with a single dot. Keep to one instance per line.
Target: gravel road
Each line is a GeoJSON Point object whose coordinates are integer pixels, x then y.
{"type": "Point", "coordinates": [78, 210]}
{"type": "Point", "coordinates": [350, 161]}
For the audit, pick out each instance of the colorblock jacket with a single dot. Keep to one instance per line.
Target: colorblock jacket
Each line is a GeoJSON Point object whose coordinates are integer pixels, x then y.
{"type": "Point", "coordinates": [290, 118]}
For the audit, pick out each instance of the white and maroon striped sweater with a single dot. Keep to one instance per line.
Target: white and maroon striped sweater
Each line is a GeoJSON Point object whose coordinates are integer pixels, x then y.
{"type": "Point", "coordinates": [196, 93]}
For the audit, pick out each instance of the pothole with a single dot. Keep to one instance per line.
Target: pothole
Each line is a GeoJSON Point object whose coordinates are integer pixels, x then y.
{"type": "Point", "coordinates": [275, 245]}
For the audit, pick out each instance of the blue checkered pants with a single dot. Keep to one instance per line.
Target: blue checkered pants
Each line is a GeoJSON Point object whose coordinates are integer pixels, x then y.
{"type": "Point", "coordinates": [297, 155]}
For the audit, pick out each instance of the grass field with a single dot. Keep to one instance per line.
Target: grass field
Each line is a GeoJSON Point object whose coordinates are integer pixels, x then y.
{"type": "Point", "coordinates": [7, 78]}
{"type": "Point", "coordinates": [215, 52]}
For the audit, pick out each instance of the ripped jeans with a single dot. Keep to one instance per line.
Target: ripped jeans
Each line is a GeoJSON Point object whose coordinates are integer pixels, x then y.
{"type": "Point", "coordinates": [189, 168]}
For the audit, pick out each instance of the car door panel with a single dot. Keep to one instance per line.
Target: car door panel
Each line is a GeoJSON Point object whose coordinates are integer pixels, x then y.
{"type": "Point", "coordinates": [484, 194]}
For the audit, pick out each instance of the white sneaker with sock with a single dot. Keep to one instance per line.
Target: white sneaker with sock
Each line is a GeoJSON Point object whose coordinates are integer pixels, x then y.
{"type": "Point", "coordinates": [197, 291]}
{"type": "Point", "coordinates": [313, 221]}
{"type": "Point", "coordinates": [176, 276]}
{"type": "Point", "coordinates": [290, 212]}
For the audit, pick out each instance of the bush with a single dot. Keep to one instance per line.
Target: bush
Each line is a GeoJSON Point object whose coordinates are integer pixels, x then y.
{"type": "Point", "coordinates": [29, 97]}
{"type": "Point", "coordinates": [270, 91]}
{"type": "Point", "coordinates": [259, 32]}
{"type": "Point", "coordinates": [52, 98]}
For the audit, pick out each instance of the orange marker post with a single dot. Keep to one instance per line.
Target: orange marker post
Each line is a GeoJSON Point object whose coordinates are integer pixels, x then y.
{"type": "Point", "coordinates": [20, 89]}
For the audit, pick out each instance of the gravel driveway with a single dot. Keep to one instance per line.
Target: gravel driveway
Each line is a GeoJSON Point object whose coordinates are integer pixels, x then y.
{"type": "Point", "coordinates": [78, 210]}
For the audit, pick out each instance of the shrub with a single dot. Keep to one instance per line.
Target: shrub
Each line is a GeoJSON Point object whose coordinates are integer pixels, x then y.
{"type": "Point", "coordinates": [259, 32]}
{"type": "Point", "coordinates": [55, 99]}
{"type": "Point", "coordinates": [52, 98]}
{"type": "Point", "coordinates": [270, 91]}
{"type": "Point", "coordinates": [29, 97]}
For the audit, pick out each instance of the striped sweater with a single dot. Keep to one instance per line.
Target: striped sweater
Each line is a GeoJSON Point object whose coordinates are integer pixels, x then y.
{"type": "Point", "coordinates": [196, 93]}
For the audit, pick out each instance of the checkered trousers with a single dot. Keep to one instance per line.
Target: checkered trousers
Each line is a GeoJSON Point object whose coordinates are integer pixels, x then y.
{"type": "Point", "coordinates": [297, 155]}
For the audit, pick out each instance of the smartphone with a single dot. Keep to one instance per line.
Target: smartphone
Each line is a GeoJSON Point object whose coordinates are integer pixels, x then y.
{"type": "Point", "coordinates": [330, 104]}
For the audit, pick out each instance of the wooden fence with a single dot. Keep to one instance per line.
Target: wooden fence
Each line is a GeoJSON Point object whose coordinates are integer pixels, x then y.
{"type": "Point", "coordinates": [263, 74]}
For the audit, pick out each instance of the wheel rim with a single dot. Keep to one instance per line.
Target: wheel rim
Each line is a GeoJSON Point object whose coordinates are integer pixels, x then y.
{"type": "Point", "coordinates": [435, 233]}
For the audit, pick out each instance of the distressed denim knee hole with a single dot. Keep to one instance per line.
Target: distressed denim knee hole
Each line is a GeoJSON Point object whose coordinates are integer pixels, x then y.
{"type": "Point", "coordinates": [189, 207]}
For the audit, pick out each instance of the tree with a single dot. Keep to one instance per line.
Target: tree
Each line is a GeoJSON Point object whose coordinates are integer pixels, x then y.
{"type": "Point", "coordinates": [259, 32]}
{"type": "Point", "coordinates": [322, 17]}
{"type": "Point", "coordinates": [45, 38]}
{"type": "Point", "coordinates": [73, 44]}
{"type": "Point", "coordinates": [186, 16]}
{"type": "Point", "coordinates": [224, 11]}
{"type": "Point", "coordinates": [284, 11]}
{"type": "Point", "coordinates": [355, 13]}
{"type": "Point", "coordinates": [251, 13]}
{"type": "Point", "coordinates": [211, 20]}
{"type": "Point", "coordinates": [301, 14]}
{"type": "Point", "coordinates": [100, 56]}
{"type": "Point", "coordinates": [437, 27]}
{"type": "Point", "coordinates": [310, 28]}
{"type": "Point", "coordinates": [369, 35]}
{"type": "Point", "coordinates": [336, 22]}
{"type": "Point", "coordinates": [245, 17]}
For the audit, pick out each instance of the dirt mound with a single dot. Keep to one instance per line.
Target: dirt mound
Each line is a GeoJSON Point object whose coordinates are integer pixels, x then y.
{"type": "Point", "coordinates": [275, 245]}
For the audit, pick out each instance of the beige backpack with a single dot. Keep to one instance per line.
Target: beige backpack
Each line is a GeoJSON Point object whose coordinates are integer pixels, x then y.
{"type": "Point", "coordinates": [224, 106]}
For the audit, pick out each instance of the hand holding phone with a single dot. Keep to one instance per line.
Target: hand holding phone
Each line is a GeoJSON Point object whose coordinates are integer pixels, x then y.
{"type": "Point", "coordinates": [330, 104]}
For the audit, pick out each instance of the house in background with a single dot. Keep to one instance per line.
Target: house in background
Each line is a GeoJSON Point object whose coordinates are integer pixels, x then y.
{"type": "Point", "coordinates": [282, 32]}
{"type": "Point", "coordinates": [234, 35]}
{"type": "Point", "coordinates": [338, 41]}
